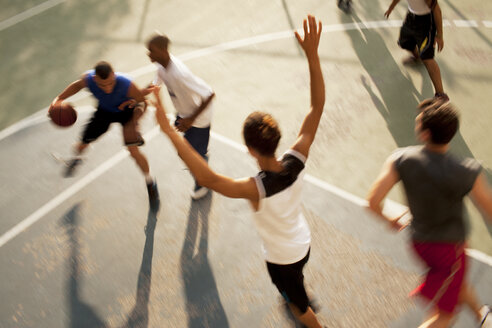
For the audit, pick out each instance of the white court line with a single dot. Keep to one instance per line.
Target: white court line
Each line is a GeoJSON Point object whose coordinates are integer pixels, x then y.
{"type": "Point", "coordinates": [487, 24]}
{"type": "Point", "coordinates": [28, 13]}
{"type": "Point", "coordinates": [390, 206]}
{"type": "Point", "coordinates": [465, 23]}
{"type": "Point", "coordinates": [26, 122]}
{"type": "Point", "coordinates": [69, 192]}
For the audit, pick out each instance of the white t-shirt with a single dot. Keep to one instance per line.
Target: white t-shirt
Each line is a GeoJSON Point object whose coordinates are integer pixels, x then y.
{"type": "Point", "coordinates": [187, 91]}
{"type": "Point", "coordinates": [279, 220]}
{"type": "Point", "coordinates": [418, 7]}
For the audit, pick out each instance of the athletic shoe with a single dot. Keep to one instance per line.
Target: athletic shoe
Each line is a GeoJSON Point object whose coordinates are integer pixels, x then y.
{"type": "Point", "coordinates": [199, 192]}
{"type": "Point", "coordinates": [486, 321]}
{"type": "Point", "coordinates": [154, 200]}
{"type": "Point", "coordinates": [441, 96]}
{"type": "Point", "coordinates": [71, 166]}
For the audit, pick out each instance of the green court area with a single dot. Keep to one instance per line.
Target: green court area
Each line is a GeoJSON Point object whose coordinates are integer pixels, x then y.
{"type": "Point", "coordinates": [85, 259]}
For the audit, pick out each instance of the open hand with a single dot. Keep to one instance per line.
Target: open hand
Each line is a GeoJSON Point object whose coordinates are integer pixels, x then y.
{"type": "Point", "coordinates": [312, 34]}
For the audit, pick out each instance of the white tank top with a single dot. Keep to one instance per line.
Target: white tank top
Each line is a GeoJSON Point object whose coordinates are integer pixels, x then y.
{"type": "Point", "coordinates": [418, 7]}
{"type": "Point", "coordinates": [279, 220]}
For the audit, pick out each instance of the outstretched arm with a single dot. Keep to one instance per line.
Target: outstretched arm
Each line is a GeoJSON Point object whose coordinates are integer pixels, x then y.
{"type": "Point", "coordinates": [69, 91]}
{"type": "Point", "coordinates": [234, 188]}
{"type": "Point", "coordinates": [380, 188]}
{"type": "Point", "coordinates": [312, 34]}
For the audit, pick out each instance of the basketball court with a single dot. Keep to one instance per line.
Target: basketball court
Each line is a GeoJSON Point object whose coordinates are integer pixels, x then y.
{"type": "Point", "coordinates": [87, 252]}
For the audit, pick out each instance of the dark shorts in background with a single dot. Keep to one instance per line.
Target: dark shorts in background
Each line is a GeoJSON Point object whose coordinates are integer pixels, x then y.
{"type": "Point", "coordinates": [128, 118]}
{"type": "Point", "coordinates": [446, 263]}
{"type": "Point", "coordinates": [198, 138]}
{"type": "Point", "coordinates": [289, 280]}
{"type": "Point", "coordinates": [418, 31]}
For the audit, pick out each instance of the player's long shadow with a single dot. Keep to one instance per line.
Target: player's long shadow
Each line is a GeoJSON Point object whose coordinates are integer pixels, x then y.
{"type": "Point", "coordinates": [203, 304]}
{"type": "Point", "coordinates": [82, 315]}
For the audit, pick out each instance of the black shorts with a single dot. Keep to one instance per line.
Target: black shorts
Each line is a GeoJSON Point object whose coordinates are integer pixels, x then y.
{"type": "Point", "coordinates": [418, 32]}
{"type": "Point", "coordinates": [289, 281]}
{"type": "Point", "coordinates": [101, 120]}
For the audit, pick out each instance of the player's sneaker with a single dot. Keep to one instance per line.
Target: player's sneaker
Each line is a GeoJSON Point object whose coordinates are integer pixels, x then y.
{"type": "Point", "coordinates": [154, 199]}
{"type": "Point", "coordinates": [71, 166]}
{"type": "Point", "coordinates": [199, 192]}
{"type": "Point", "coordinates": [486, 313]}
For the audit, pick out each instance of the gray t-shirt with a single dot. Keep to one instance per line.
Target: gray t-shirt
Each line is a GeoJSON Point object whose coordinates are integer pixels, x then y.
{"type": "Point", "coordinates": [435, 185]}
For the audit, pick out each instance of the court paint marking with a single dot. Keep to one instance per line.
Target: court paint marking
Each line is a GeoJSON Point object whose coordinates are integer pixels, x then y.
{"type": "Point", "coordinates": [389, 207]}
{"type": "Point", "coordinates": [465, 23]}
{"type": "Point", "coordinates": [28, 13]}
{"type": "Point", "coordinates": [36, 117]}
{"type": "Point", "coordinates": [69, 192]}
{"type": "Point", "coordinates": [40, 116]}
{"type": "Point", "coordinates": [487, 24]}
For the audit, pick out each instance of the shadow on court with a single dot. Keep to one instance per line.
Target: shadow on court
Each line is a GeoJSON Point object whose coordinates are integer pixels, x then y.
{"type": "Point", "coordinates": [399, 97]}
{"type": "Point", "coordinates": [83, 314]}
{"type": "Point", "coordinates": [203, 305]}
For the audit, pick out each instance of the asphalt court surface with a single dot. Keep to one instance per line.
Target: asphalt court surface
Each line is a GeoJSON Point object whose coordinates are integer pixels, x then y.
{"type": "Point", "coordinates": [88, 261]}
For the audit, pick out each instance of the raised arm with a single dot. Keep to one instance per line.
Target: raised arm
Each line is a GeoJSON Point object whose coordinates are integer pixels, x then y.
{"type": "Point", "coordinates": [234, 188]}
{"type": "Point", "coordinates": [69, 91]}
{"type": "Point", "coordinates": [380, 188]}
{"type": "Point", "coordinates": [481, 195]}
{"type": "Point", "coordinates": [312, 34]}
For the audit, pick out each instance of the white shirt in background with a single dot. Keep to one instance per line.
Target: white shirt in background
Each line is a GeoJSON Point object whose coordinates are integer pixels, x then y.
{"type": "Point", "coordinates": [418, 7]}
{"type": "Point", "coordinates": [187, 91]}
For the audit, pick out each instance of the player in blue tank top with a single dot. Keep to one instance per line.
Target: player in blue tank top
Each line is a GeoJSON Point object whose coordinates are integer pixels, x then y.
{"type": "Point", "coordinates": [119, 100]}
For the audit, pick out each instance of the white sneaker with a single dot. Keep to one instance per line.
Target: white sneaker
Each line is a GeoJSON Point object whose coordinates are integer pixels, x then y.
{"type": "Point", "coordinates": [486, 321]}
{"type": "Point", "coordinates": [199, 193]}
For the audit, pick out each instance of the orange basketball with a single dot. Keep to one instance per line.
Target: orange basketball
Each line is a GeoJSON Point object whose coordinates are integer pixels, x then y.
{"type": "Point", "coordinates": [63, 115]}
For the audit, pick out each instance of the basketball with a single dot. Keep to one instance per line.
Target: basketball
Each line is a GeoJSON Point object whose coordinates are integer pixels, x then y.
{"type": "Point", "coordinates": [63, 115]}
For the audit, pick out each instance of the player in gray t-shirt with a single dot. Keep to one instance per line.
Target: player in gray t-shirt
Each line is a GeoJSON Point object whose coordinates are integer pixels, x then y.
{"type": "Point", "coordinates": [435, 184]}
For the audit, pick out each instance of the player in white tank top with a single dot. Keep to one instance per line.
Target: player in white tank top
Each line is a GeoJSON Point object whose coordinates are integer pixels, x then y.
{"type": "Point", "coordinates": [279, 178]}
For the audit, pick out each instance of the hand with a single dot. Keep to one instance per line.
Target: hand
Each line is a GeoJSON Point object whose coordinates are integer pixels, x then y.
{"type": "Point", "coordinates": [184, 124]}
{"type": "Point", "coordinates": [311, 36]}
{"type": "Point", "coordinates": [149, 89]}
{"type": "Point", "coordinates": [129, 103]}
{"type": "Point", "coordinates": [388, 13]}
{"type": "Point", "coordinates": [440, 42]}
{"type": "Point", "coordinates": [398, 226]}
{"type": "Point", "coordinates": [55, 102]}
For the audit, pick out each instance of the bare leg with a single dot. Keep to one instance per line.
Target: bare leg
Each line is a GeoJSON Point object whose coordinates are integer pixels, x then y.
{"type": "Point", "coordinates": [435, 74]}
{"type": "Point", "coordinates": [140, 159]}
{"type": "Point", "coordinates": [308, 318]}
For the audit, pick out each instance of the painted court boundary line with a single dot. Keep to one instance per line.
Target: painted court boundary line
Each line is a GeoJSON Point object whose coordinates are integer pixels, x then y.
{"type": "Point", "coordinates": [40, 116]}
{"type": "Point", "coordinates": [390, 206]}
{"type": "Point", "coordinates": [28, 13]}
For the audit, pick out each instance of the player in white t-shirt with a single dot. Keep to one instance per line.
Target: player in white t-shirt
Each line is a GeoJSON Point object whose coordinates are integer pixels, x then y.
{"type": "Point", "coordinates": [190, 95]}
{"type": "Point", "coordinates": [420, 32]}
{"type": "Point", "coordinates": [275, 193]}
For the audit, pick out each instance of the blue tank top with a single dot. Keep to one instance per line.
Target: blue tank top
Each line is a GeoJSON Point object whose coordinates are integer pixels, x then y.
{"type": "Point", "coordinates": [109, 101]}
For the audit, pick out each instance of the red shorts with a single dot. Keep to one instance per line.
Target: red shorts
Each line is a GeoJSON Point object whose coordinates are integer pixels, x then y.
{"type": "Point", "coordinates": [447, 267]}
